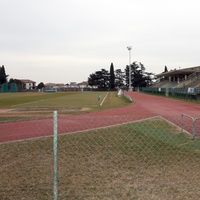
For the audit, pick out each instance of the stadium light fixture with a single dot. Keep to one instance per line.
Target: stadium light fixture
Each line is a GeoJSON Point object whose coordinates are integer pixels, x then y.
{"type": "Point", "coordinates": [129, 49]}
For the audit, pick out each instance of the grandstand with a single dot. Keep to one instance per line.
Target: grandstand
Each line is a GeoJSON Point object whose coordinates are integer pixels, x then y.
{"type": "Point", "coordinates": [181, 82]}
{"type": "Point", "coordinates": [182, 78]}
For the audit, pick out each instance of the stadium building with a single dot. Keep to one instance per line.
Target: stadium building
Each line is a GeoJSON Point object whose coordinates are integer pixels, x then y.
{"type": "Point", "coordinates": [181, 82]}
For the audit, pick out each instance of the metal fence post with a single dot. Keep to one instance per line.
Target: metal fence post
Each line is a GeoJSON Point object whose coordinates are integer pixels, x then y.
{"type": "Point", "coordinates": [55, 149]}
{"type": "Point", "coordinates": [195, 120]}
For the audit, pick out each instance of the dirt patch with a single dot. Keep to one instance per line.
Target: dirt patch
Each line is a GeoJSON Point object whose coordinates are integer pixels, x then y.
{"type": "Point", "coordinates": [43, 109]}
{"type": "Point", "coordinates": [6, 110]}
{"type": "Point", "coordinates": [85, 109]}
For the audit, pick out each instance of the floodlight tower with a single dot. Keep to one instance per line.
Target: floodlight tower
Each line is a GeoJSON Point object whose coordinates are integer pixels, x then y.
{"type": "Point", "coordinates": [129, 49]}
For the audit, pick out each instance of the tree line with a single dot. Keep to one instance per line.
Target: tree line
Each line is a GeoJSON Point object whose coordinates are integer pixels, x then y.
{"type": "Point", "coordinates": [104, 79]}
{"type": "Point", "coordinates": [110, 80]}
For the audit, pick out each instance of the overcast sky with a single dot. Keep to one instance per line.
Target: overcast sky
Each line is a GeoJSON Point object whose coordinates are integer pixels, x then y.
{"type": "Point", "coordinates": [64, 41]}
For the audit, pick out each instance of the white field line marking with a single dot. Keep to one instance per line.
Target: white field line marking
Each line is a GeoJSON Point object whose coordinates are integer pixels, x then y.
{"type": "Point", "coordinates": [27, 103]}
{"type": "Point", "coordinates": [104, 99]}
{"type": "Point", "coordinates": [128, 97]}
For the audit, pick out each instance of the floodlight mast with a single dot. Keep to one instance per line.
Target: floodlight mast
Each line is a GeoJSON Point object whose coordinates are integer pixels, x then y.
{"type": "Point", "coordinates": [129, 49]}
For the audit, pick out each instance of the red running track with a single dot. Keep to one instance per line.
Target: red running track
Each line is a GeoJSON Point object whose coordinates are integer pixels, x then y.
{"type": "Point", "coordinates": [144, 106]}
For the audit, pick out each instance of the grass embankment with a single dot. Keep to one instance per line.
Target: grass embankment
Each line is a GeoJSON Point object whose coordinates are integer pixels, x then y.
{"type": "Point", "coordinates": [145, 160]}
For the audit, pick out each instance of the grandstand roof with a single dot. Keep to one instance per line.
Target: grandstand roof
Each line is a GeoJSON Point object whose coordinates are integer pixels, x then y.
{"type": "Point", "coordinates": [180, 71]}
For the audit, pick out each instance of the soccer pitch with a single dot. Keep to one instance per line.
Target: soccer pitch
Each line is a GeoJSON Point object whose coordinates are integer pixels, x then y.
{"type": "Point", "coordinates": [65, 102]}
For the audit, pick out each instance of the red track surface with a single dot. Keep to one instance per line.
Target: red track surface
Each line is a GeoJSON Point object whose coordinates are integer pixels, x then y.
{"type": "Point", "coordinates": [144, 106]}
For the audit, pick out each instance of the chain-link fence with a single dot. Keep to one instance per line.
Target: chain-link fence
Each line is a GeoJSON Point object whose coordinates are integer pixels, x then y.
{"type": "Point", "coordinates": [100, 157]}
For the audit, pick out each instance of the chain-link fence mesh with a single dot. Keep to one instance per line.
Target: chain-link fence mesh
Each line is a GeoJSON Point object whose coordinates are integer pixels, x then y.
{"type": "Point", "coordinates": [107, 157]}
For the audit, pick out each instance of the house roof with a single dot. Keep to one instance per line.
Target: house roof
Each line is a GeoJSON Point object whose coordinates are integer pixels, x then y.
{"type": "Point", "coordinates": [83, 83]}
{"type": "Point", "coordinates": [54, 84]}
{"type": "Point", "coordinates": [27, 81]}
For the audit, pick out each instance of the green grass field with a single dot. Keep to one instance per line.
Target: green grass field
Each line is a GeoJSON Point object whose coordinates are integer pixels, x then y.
{"type": "Point", "coordinates": [150, 159]}
{"type": "Point", "coordinates": [66, 102]}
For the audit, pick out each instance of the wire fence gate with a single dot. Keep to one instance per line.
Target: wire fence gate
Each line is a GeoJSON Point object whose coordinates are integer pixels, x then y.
{"type": "Point", "coordinates": [100, 157]}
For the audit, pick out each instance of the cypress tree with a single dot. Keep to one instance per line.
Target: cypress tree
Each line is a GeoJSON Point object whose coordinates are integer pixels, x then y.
{"type": "Point", "coordinates": [112, 77]}
{"type": "Point", "coordinates": [166, 70]}
{"type": "Point", "coordinates": [3, 76]}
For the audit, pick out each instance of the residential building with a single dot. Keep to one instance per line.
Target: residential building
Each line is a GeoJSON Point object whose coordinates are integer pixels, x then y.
{"type": "Point", "coordinates": [29, 84]}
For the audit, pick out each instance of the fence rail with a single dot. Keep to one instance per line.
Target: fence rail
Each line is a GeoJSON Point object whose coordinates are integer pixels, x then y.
{"type": "Point", "coordinates": [194, 120]}
{"type": "Point", "coordinates": [183, 93]}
